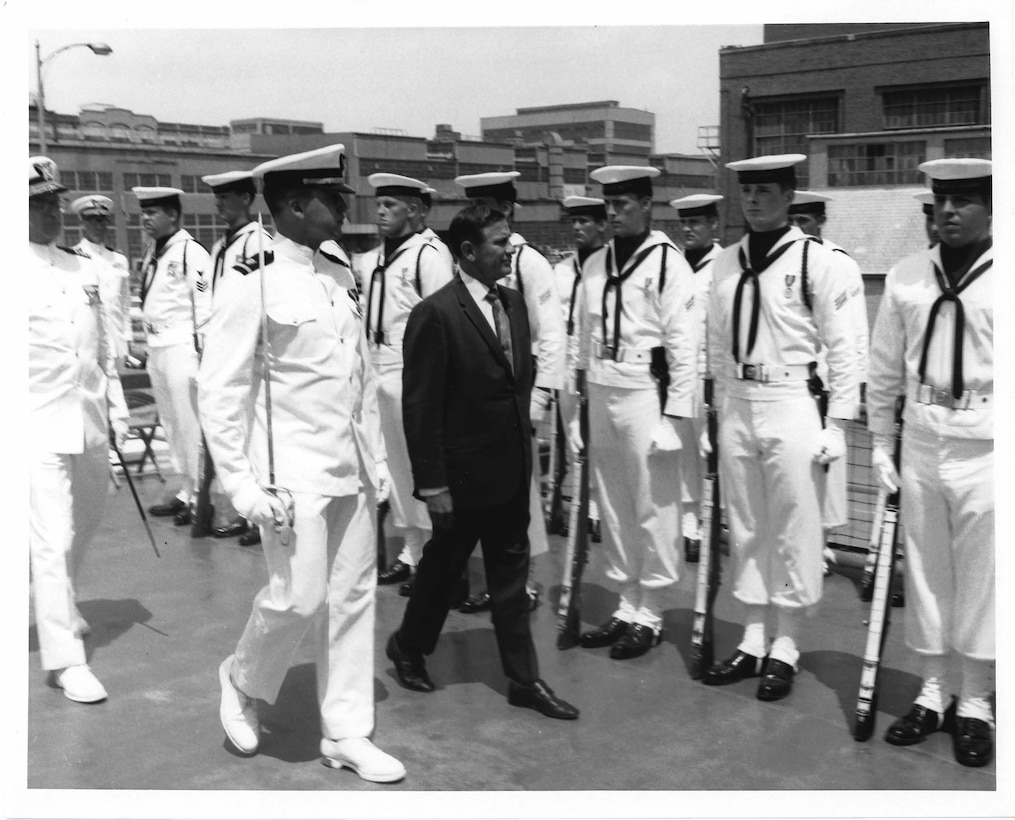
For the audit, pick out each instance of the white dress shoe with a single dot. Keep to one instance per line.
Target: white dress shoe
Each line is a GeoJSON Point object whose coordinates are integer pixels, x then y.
{"type": "Point", "coordinates": [79, 684]}
{"type": "Point", "coordinates": [360, 755]}
{"type": "Point", "coordinates": [237, 712]}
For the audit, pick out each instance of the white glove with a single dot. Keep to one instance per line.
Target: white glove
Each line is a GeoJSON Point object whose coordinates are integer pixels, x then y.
{"type": "Point", "coordinates": [574, 435]}
{"type": "Point", "coordinates": [120, 432]}
{"type": "Point", "coordinates": [883, 464]}
{"type": "Point", "coordinates": [831, 443]}
{"type": "Point", "coordinates": [383, 482]}
{"type": "Point", "coordinates": [266, 511]}
{"type": "Point", "coordinates": [704, 445]}
{"type": "Point", "coordinates": [539, 404]}
{"type": "Point", "coordinates": [664, 437]}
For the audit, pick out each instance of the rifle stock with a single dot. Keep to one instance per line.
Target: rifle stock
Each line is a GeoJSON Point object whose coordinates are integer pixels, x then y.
{"type": "Point", "coordinates": [201, 525]}
{"type": "Point", "coordinates": [709, 570]}
{"type": "Point", "coordinates": [576, 556]}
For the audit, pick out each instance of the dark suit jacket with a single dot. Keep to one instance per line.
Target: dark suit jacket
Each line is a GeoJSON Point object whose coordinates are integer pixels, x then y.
{"type": "Point", "coordinates": [466, 414]}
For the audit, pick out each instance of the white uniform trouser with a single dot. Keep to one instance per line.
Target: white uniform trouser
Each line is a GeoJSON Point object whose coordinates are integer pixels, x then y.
{"type": "Point", "coordinates": [639, 498]}
{"type": "Point", "coordinates": [691, 474]}
{"type": "Point", "coordinates": [568, 413]}
{"type": "Point", "coordinates": [67, 494]}
{"type": "Point", "coordinates": [834, 502]}
{"type": "Point", "coordinates": [772, 488]}
{"type": "Point", "coordinates": [173, 372]}
{"type": "Point", "coordinates": [325, 580]}
{"type": "Point", "coordinates": [538, 542]}
{"type": "Point", "coordinates": [948, 520]}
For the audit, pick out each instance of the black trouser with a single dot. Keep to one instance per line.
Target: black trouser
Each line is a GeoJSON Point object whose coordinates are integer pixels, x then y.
{"type": "Point", "coordinates": [502, 531]}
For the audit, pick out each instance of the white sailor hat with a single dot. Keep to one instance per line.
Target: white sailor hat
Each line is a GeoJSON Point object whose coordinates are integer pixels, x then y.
{"type": "Point", "coordinates": [156, 197]}
{"type": "Point", "coordinates": [427, 196]}
{"type": "Point", "coordinates": [43, 177]}
{"type": "Point", "coordinates": [626, 179]}
{"type": "Point", "coordinates": [697, 205]}
{"type": "Point", "coordinates": [585, 206]}
{"type": "Point", "coordinates": [959, 175]}
{"type": "Point", "coordinates": [770, 168]}
{"type": "Point", "coordinates": [241, 182]}
{"type": "Point", "coordinates": [320, 167]}
{"type": "Point", "coordinates": [396, 185]}
{"type": "Point", "coordinates": [92, 205]}
{"type": "Point", "coordinates": [809, 202]}
{"type": "Point", "coordinates": [495, 184]}
{"type": "Point", "coordinates": [926, 199]}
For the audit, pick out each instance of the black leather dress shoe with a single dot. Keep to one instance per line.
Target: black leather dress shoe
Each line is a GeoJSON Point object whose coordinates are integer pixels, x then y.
{"type": "Point", "coordinates": [919, 722]}
{"type": "Point", "coordinates": [183, 517]}
{"type": "Point", "coordinates": [972, 742]}
{"type": "Point", "coordinates": [637, 640]}
{"type": "Point", "coordinates": [405, 590]}
{"type": "Point", "coordinates": [777, 682]}
{"type": "Point", "coordinates": [237, 526]}
{"type": "Point", "coordinates": [606, 635]}
{"type": "Point", "coordinates": [738, 667]}
{"type": "Point", "coordinates": [410, 668]}
{"type": "Point", "coordinates": [395, 574]}
{"type": "Point", "coordinates": [251, 538]}
{"type": "Point", "coordinates": [477, 603]}
{"type": "Point", "coordinates": [166, 510]}
{"type": "Point", "coordinates": [692, 550]}
{"type": "Point", "coordinates": [540, 697]}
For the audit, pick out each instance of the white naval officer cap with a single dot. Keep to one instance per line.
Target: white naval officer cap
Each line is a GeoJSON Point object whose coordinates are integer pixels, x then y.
{"type": "Point", "coordinates": [43, 177]}
{"type": "Point", "coordinates": [626, 179]}
{"type": "Point", "coordinates": [397, 185]}
{"type": "Point", "coordinates": [584, 206]}
{"type": "Point", "coordinates": [92, 205]}
{"type": "Point", "coordinates": [959, 175]}
{"type": "Point", "coordinates": [322, 167]}
{"type": "Point", "coordinates": [770, 168]}
{"type": "Point", "coordinates": [697, 205]}
{"type": "Point", "coordinates": [158, 196]}
{"type": "Point", "coordinates": [926, 199]}
{"type": "Point", "coordinates": [241, 182]}
{"type": "Point", "coordinates": [809, 202]}
{"type": "Point", "coordinates": [495, 184]}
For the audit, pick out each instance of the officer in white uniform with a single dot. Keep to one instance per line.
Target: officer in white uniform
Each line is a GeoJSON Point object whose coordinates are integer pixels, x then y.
{"type": "Point", "coordinates": [176, 302]}
{"type": "Point", "coordinates": [313, 487]}
{"type": "Point", "coordinates": [74, 397]}
{"type": "Point", "coordinates": [591, 227]}
{"type": "Point", "coordinates": [933, 342]}
{"type": "Point", "coordinates": [418, 221]}
{"type": "Point", "coordinates": [532, 276]}
{"type": "Point", "coordinates": [403, 271]}
{"type": "Point", "coordinates": [640, 328]}
{"type": "Point", "coordinates": [809, 213]}
{"type": "Point", "coordinates": [96, 213]}
{"type": "Point", "coordinates": [698, 218]}
{"type": "Point", "coordinates": [777, 299]}
{"type": "Point", "coordinates": [235, 193]}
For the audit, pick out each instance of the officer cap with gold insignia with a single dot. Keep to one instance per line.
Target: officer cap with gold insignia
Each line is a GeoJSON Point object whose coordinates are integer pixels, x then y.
{"type": "Point", "coordinates": [92, 205]}
{"type": "Point", "coordinates": [496, 184]}
{"type": "Point", "coordinates": [585, 206]}
{"type": "Point", "coordinates": [926, 199]}
{"type": "Point", "coordinates": [809, 202]}
{"type": "Point", "coordinates": [322, 167]}
{"type": "Point", "coordinates": [770, 168]}
{"type": "Point", "coordinates": [159, 197]}
{"type": "Point", "coordinates": [697, 205]}
{"type": "Point", "coordinates": [237, 182]}
{"type": "Point", "coordinates": [959, 175]}
{"type": "Point", "coordinates": [43, 177]}
{"type": "Point", "coordinates": [626, 179]}
{"type": "Point", "coordinates": [396, 185]}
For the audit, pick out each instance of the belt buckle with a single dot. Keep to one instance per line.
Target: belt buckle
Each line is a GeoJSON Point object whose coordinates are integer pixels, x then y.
{"type": "Point", "coordinates": [752, 372]}
{"type": "Point", "coordinates": [963, 402]}
{"type": "Point", "coordinates": [606, 351]}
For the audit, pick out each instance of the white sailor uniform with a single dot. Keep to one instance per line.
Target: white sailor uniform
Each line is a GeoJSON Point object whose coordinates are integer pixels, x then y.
{"type": "Point", "coordinates": [114, 289]}
{"type": "Point", "coordinates": [234, 249]}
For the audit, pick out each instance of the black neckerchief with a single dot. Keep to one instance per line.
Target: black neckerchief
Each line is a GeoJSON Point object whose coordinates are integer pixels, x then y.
{"type": "Point", "coordinates": [624, 246]}
{"type": "Point", "coordinates": [153, 264]}
{"type": "Point", "coordinates": [758, 244]}
{"type": "Point", "coordinates": [393, 248]}
{"type": "Point", "coordinates": [957, 261]}
{"type": "Point", "coordinates": [616, 279]}
{"type": "Point", "coordinates": [220, 260]}
{"type": "Point", "coordinates": [585, 253]}
{"type": "Point", "coordinates": [695, 255]}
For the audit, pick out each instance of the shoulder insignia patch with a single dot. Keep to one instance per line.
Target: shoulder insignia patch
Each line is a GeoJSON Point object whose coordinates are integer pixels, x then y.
{"type": "Point", "coordinates": [841, 299]}
{"type": "Point", "coordinates": [544, 297]}
{"type": "Point", "coordinates": [251, 263]}
{"type": "Point", "coordinates": [202, 285]}
{"type": "Point", "coordinates": [74, 251]}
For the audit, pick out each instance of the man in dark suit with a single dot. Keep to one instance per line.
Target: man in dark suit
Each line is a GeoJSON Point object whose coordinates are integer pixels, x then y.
{"type": "Point", "coordinates": [465, 405]}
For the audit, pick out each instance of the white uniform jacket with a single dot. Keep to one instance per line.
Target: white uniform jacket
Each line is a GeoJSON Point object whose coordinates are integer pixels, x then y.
{"type": "Point", "coordinates": [114, 288]}
{"type": "Point", "coordinates": [911, 289]}
{"type": "Point", "coordinates": [393, 287]}
{"type": "Point", "coordinates": [431, 236]}
{"type": "Point", "coordinates": [659, 309]}
{"type": "Point", "coordinates": [72, 383]}
{"type": "Point", "coordinates": [532, 276]}
{"type": "Point", "coordinates": [175, 290]}
{"type": "Point", "coordinates": [790, 333]}
{"type": "Point", "coordinates": [702, 292]}
{"type": "Point", "coordinates": [568, 275]}
{"type": "Point", "coordinates": [233, 250]}
{"type": "Point", "coordinates": [324, 404]}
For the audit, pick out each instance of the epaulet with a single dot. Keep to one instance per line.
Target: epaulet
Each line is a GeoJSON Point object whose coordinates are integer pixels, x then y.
{"type": "Point", "coordinates": [252, 263]}
{"type": "Point", "coordinates": [74, 251]}
{"type": "Point", "coordinates": [338, 260]}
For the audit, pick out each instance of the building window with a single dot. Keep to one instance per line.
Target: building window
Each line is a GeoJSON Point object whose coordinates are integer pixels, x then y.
{"type": "Point", "coordinates": [191, 184]}
{"type": "Point", "coordinates": [935, 106]}
{"type": "Point", "coordinates": [201, 227]}
{"type": "Point", "coordinates": [119, 132]}
{"type": "Point", "coordinates": [575, 176]}
{"type": "Point", "coordinates": [105, 181]}
{"type": "Point", "coordinates": [878, 163]}
{"type": "Point", "coordinates": [782, 126]}
{"type": "Point", "coordinates": [93, 130]}
{"type": "Point", "coordinates": [147, 181]}
{"type": "Point", "coordinates": [978, 147]}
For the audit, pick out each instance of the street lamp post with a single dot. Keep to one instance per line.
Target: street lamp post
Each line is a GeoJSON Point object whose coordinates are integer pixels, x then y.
{"type": "Point", "coordinates": [96, 48]}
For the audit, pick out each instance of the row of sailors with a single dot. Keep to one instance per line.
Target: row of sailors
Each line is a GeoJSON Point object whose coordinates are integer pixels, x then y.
{"type": "Point", "coordinates": [761, 336]}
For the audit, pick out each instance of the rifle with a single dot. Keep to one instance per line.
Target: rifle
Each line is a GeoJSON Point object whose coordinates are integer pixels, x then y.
{"type": "Point", "coordinates": [877, 629]}
{"type": "Point", "coordinates": [709, 569]}
{"type": "Point", "coordinates": [577, 553]}
{"type": "Point", "coordinates": [870, 565]}
{"type": "Point", "coordinates": [558, 469]}
{"type": "Point", "coordinates": [382, 553]}
{"type": "Point", "coordinates": [201, 525]}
